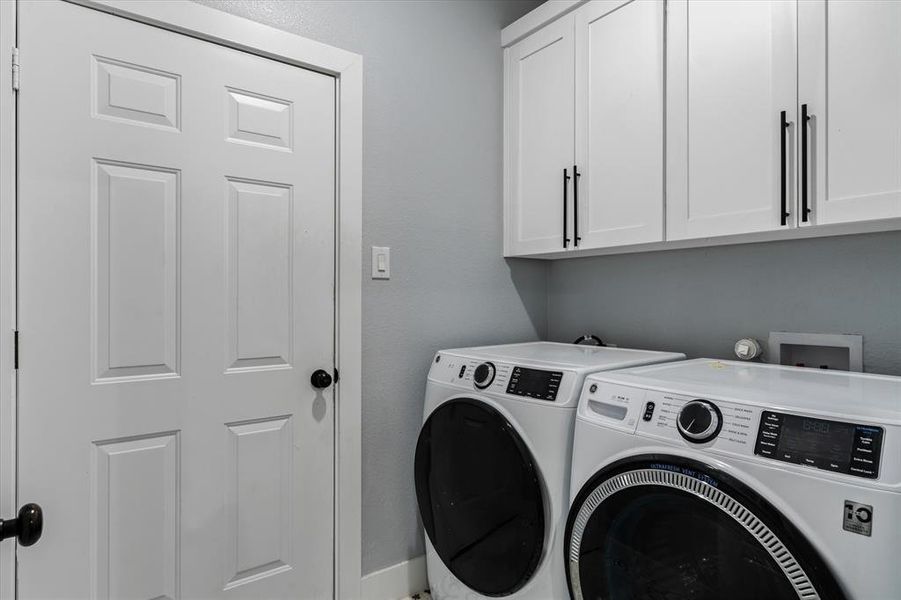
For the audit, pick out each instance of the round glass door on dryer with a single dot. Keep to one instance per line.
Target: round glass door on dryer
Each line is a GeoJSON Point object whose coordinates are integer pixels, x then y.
{"type": "Point", "coordinates": [669, 527]}
{"type": "Point", "coordinates": [480, 497]}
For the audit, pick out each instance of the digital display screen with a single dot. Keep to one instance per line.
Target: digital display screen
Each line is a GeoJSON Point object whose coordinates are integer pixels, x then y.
{"type": "Point", "coordinates": [826, 441]}
{"type": "Point", "coordinates": [534, 383]}
{"type": "Point", "coordinates": [836, 446]}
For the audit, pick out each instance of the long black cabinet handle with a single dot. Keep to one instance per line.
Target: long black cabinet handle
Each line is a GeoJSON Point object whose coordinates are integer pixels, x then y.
{"type": "Point", "coordinates": [805, 207]}
{"type": "Point", "coordinates": [576, 237]}
{"type": "Point", "coordinates": [566, 179]}
{"type": "Point", "coordinates": [783, 130]}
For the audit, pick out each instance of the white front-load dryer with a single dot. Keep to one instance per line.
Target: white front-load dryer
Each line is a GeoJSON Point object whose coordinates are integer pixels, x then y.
{"type": "Point", "coordinates": [708, 479]}
{"type": "Point", "coordinates": [492, 464]}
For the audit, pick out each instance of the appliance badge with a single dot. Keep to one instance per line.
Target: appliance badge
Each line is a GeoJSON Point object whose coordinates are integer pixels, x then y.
{"type": "Point", "coordinates": [858, 518]}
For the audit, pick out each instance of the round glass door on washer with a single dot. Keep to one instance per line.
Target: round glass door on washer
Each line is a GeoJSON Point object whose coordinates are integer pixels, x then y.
{"type": "Point", "coordinates": [666, 527]}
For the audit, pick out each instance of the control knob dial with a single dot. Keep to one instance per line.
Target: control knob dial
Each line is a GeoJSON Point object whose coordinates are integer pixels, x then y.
{"type": "Point", "coordinates": [483, 375]}
{"type": "Point", "coordinates": [699, 421]}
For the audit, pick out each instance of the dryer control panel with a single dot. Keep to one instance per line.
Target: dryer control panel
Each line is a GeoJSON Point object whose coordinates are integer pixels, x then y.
{"type": "Point", "coordinates": [534, 383]}
{"type": "Point", "coordinates": [527, 382]}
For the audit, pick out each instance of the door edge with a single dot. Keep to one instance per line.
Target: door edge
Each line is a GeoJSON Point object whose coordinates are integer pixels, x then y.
{"type": "Point", "coordinates": [8, 136]}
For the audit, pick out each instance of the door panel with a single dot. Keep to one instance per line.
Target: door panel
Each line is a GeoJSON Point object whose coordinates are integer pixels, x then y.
{"type": "Point", "coordinates": [259, 482]}
{"type": "Point", "coordinates": [850, 78]}
{"type": "Point", "coordinates": [136, 283]}
{"type": "Point", "coordinates": [540, 137]}
{"type": "Point", "coordinates": [259, 233]}
{"type": "Point", "coordinates": [176, 279]}
{"type": "Point", "coordinates": [136, 557]}
{"type": "Point", "coordinates": [731, 71]}
{"type": "Point", "coordinates": [619, 122]}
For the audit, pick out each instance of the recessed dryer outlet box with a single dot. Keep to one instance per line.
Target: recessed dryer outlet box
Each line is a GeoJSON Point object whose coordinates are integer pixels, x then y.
{"type": "Point", "coordinates": [817, 350]}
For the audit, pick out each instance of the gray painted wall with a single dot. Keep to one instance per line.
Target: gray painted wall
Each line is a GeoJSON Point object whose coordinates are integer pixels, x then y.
{"type": "Point", "coordinates": [431, 191]}
{"type": "Point", "coordinates": [701, 301]}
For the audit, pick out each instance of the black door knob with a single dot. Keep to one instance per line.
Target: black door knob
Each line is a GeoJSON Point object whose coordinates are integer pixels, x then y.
{"type": "Point", "coordinates": [27, 526]}
{"type": "Point", "coordinates": [320, 379]}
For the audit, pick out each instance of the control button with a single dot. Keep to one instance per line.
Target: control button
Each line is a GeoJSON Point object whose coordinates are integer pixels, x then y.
{"type": "Point", "coordinates": [593, 388]}
{"type": "Point", "coordinates": [863, 472]}
{"type": "Point", "coordinates": [462, 372]}
{"type": "Point", "coordinates": [483, 375]}
{"type": "Point", "coordinates": [648, 411]}
{"type": "Point", "coordinates": [699, 421]}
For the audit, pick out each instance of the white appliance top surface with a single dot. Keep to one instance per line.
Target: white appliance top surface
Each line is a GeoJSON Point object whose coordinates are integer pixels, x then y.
{"type": "Point", "coordinates": [859, 395]}
{"type": "Point", "coordinates": [567, 356]}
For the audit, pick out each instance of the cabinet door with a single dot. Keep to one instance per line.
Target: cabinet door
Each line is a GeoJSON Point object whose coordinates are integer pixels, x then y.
{"type": "Point", "coordinates": [619, 123]}
{"type": "Point", "coordinates": [850, 80]}
{"type": "Point", "coordinates": [731, 70]}
{"type": "Point", "coordinates": [539, 91]}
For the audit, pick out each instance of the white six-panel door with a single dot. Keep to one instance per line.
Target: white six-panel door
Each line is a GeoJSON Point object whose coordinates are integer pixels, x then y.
{"type": "Point", "coordinates": [619, 122]}
{"type": "Point", "coordinates": [176, 280]}
{"type": "Point", "coordinates": [731, 70]}
{"type": "Point", "coordinates": [850, 80]}
{"type": "Point", "coordinates": [539, 140]}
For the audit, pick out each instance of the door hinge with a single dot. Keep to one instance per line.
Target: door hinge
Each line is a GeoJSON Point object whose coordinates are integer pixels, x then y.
{"type": "Point", "coordinates": [16, 69]}
{"type": "Point", "coordinates": [16, 349]}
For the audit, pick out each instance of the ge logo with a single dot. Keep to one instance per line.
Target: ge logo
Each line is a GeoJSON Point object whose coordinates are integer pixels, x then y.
{"type": "Point", "coordinates": [858, 518]}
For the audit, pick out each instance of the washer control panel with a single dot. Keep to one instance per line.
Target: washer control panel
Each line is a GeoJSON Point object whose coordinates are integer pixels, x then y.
{"type": "Point", "coordinates": [695, 421]}
{"type": "Point", "coordinates": [836, 446]}
{"type": "Point", "coordinates": [841, 447]}
{"type": "Point", "coordinates": [699, 421]}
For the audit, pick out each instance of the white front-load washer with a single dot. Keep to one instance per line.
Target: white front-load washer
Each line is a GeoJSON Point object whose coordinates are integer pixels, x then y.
{"type": "Point", "coordinates": [710, 479]}
{"type": "Point", "coordinates": [492, 464]}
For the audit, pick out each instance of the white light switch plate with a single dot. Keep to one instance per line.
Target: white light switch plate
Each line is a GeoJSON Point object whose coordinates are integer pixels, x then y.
{"type": "Point", "coordinates": [381, 262]}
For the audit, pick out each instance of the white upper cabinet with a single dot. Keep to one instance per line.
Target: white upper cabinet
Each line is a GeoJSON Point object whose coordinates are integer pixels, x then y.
{"type": "Point", "coordinates": [647, 124]}
{"type": "Point", "coordinates": [850, 85]}
{"type": "Point", "coordinates": [731, 72]}
{"type": "Point", "coordinates": [539, 132]}
{"type": "Point", "coordinates": [619, 123]}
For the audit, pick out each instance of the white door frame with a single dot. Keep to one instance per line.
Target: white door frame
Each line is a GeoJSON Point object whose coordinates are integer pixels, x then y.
{"type": "Point", "coordinates": [221, 28]}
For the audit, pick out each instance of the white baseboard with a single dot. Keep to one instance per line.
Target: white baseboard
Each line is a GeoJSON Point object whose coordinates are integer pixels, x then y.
{"type": "Point", "coordinates": [396, 581]}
